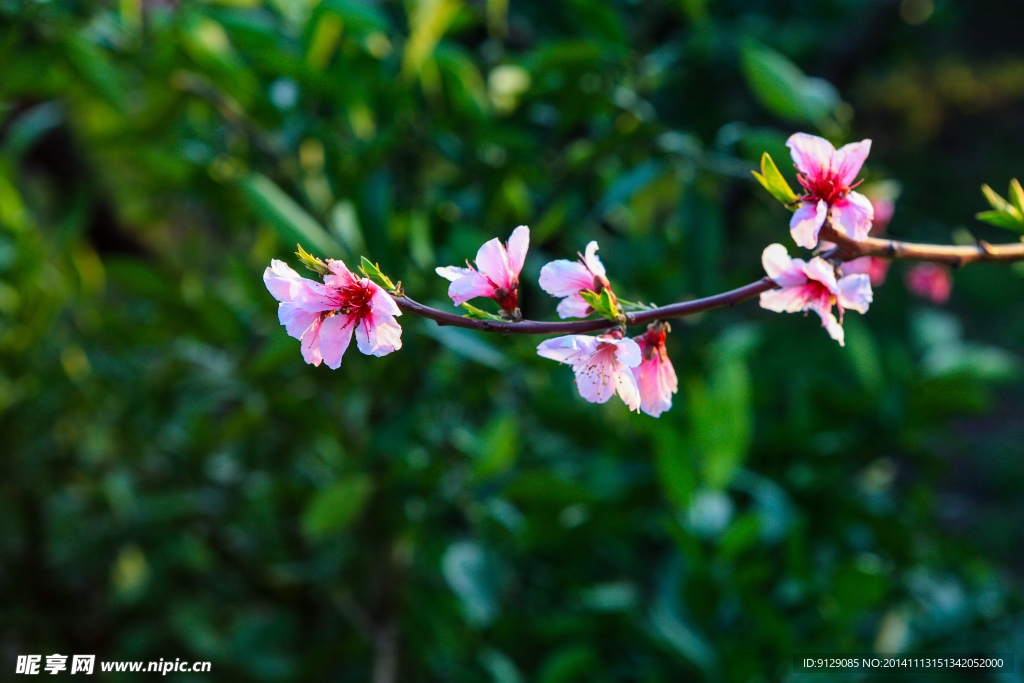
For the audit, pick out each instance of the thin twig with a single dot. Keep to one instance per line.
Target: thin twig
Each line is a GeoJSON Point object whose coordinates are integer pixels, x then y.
{"type": "Point", "coordinates": [582, 326]}
{"type": "Point", "coordinates": [954, 256]}
{"type": "Point", "coordinates": [846, 250]}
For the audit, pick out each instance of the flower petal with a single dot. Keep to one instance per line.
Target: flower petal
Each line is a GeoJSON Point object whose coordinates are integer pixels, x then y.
{"type": "Point", "coordinates": [852, 216]}
{"type": "Point", "coordinates": [855, 292]}
{"type": "Point", "coordinates": [335, 335]}
{"type": "Point", "coordinates": [453, 273]}
{"type": "Point", "coordinates": [806, 223]}
{"type": "Point", "coordinates": [627, 351]}
{"type": "Point", "coordinates": [295, 319]}
{"type": "Point", "coordinates": [563, 277]}
{"type": "Point", "coordinates": [311, 343]}
{"type": "Point", "coordinates": [470, 287]}
{"type": "Point", "coordinates": [285, 285]}
{"type": "Point", "coordinates": [848, 159]}
{"type": "Point", "coordinates": [568, 348]}
{"type": "Point", "coordinates": [656, 379]}
{"type": "Point", "coordinates": [811, 154]}
{"type": "Point", "coordinates": [338, 267]}
{"type": "Point", "coordinates": [786, 300]}
{"type": "Point", "coordinates": [592, 261]}
{"type": "Point", "coordinates": [573, 306]}
{"type": "Point", "coordinates": [381, 301]}
{"type": "Point", "coordinates": [518, 244]}
{"type": "Point", "coordinates": [596, 375]}
{"type": "Point", "coordinates": [831, 325]}
{"type": "Point", "coordinates": [378, 334]}
{"type": "Point", "coordinates": [280, 279]}
{"type": "Point", "coordinates": [492, 261]}
{"type": "Point", "coordinates": [818, 269]}
{"type": "Point", "coordinates": [780, 266]}
{"type": "Point", "coordinates": [627, 389]}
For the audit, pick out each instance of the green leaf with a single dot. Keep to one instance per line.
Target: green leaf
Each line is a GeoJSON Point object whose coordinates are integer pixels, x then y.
{"type": "Point", "coordinates": [335, 508]}
{"type": "Point", "coordinates": [292, 223]}
{"type": "Point", "coordinates": [372, 271]}
{"type": "Point", "coordinates": [359, 15]}
{"type": "Point", "coordinates": [310, 261]}
{"type": "Point", "coordinates": [783, 89]}
{"type": "Point", "coordinates": [997, 202]}
{"type": "Point", "coordinates": [474, 313]}
{"type": "Point", "coordinates": [772, 180]}
{"type": "Point", "coordinates": [1017, 196]}
{"type": "Point", "coordinates": [1001, 219]}
{"type": "Point", "coordinates": [602, 303]}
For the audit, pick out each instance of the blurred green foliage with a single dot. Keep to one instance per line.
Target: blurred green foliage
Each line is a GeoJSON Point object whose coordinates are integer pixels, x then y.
{"type": "Point", "coordinates": [176, 482]}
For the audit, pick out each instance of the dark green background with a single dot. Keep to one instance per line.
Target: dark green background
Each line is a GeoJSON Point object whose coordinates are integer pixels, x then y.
{"type": "Point", "coordinates": [176, 482]}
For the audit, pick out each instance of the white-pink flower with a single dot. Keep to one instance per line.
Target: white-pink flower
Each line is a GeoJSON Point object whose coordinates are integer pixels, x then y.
{"type": "Point", "coordinates": [602, 365]}
{"type": "Point", "coordinates": [564, 278]}
{"type": "Point", "coordinates": [812, 286]}
{"type": "Point", "coordinates": [325, 316]}
{"type": "Point", "coordinates": [655, 376]}
{"type": "Point", "coordinates": [496, 275]}
{"type": "Point", "coordinates": [827, 175]}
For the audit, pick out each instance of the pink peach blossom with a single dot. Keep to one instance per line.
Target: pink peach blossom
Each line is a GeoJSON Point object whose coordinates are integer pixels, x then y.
{"type": "Point", "coordinates": [930, 281]}
{"type": "Point", "coordinates": [564, 278]}
{"type": "Point", "coordinates": [827, 175]}
{"type": "Point", "coordinates": [498, 275]}
{"type": "Point", "coordinates": [602, 365]}
{"type": "Point", "coordinates": [655, 376]}
{"type": "Point", "coordinates": [325, 316]}
{"type": "Point", "coordinates": [812, 286]}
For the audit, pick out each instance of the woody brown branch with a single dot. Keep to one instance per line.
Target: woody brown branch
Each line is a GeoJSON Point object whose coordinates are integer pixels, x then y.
{"type": "Point", "coordinates": [954, 256]}
{"type": "Point", "coordinates": [846, 250]}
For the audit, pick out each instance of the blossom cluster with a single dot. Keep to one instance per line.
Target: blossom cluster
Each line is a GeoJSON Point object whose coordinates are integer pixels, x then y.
{"type": "Point", "coordinates": [637, 370]}
{"type": "Point", "coordinates": [326, 315]}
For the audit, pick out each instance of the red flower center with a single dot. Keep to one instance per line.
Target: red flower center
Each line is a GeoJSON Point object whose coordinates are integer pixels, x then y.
{"type": "Point", "coordinates": [355, 299]}
{"type": "Point", "coordinates": [825, 185]}
{"type": "Point", "coordinates": [817, 295]}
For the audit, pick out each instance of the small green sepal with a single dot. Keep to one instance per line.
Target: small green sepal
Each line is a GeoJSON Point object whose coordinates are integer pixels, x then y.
{"type": "Point", "coordinates": [772, 180]}
{"type": "Point", "coordinates": [310, 261]}
{"type": "Point", "coordinates": [372, 271]}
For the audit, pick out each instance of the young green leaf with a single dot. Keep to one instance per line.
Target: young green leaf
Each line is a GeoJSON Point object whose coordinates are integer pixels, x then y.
{"type": "Point", "coordinates": [1001, 219]}
{"type": "Point", "coordinates": [474, 313]}
{"type": "Point", "coordinates": [310, 261]}
{"type": "Point", "coordinates": [372, 271]}
{"type": "Point", "coordinates": [997, 202]}
{"type": "Point", "coordinates": [1017, 196]}
{"type": "Point", "coordinates": [772, 180]}
{"type": "Point", "coordinates": [602, 304]}
{"type": "Point", "coordinates": [1005, 214]}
